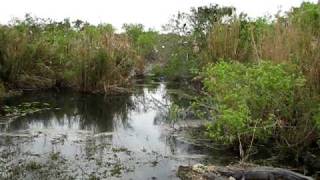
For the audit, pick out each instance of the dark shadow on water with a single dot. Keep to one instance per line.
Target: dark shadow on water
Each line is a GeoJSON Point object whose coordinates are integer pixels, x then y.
{"type": "Point", "coordinates": [85, 112]}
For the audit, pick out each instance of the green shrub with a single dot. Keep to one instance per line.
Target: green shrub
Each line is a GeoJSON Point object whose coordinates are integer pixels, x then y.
{"type": "Point", "coordinates": [293, 37]}
{"type": "Point", "coordinates": [255, 102]}
{"type": "Point", "coordinates": [181, 63]}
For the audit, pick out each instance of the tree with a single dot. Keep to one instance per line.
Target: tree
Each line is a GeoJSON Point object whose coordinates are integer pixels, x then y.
{"type": "Point", "coordinates": [199, 21]}
{"type": "Point", "coordinates": [133, 31]}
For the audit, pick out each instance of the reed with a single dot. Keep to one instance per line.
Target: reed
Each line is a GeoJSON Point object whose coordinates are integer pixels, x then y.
{"type": "Point", "coordinates": [37, 53]}
{"type": "Point", "coordinates": [292, 38]}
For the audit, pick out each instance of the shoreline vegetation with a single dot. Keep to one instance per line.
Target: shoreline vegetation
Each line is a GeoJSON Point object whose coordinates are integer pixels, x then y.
{"type": "Point", "coordinates": [257, 80]}
{"type": "Point", "coordinates": [41, 54]}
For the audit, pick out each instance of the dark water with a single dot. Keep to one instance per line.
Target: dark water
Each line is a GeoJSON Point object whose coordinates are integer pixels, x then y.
{"type": "Point", "coordinates": [95, 136]}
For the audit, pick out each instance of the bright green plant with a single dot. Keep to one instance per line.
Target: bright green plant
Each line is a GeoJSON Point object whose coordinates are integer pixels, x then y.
{"type": "Point", "coordinates": [146, 44]}
{"type": "Point", "coordinates": [133, 31]}
{"type": "Point", "coordinates": [253, 102]}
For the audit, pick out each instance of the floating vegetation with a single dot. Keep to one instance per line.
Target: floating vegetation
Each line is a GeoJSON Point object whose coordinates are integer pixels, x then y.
{"type": "Point", "coordinates": [24, 109]}
{"type": "Point", "coordinates": [121, 149]}
{"type": "Point", "coordinates": [116, 170]}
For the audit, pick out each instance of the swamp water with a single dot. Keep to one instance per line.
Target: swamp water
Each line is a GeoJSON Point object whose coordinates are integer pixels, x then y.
{"type": "Point", "coordinates": [95, 137]}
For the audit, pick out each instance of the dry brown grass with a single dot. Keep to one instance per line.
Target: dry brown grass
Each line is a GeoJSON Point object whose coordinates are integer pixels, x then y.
{"type": "Point", "coordinates": [283, 40]}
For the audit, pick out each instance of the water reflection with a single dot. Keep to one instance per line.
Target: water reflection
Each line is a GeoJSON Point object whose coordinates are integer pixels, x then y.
{"type": "Point", "coordinates": [94, 113]}
{"type": "Point", "coordinates": [89, 127]}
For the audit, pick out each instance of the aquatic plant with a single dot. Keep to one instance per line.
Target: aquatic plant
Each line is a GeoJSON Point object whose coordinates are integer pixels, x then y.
{"type": "Point", "coordinates": [24, 109]}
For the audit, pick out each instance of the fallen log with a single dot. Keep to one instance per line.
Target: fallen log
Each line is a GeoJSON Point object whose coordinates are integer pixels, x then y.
{"type": "Point", "coordinates": [201, 172]}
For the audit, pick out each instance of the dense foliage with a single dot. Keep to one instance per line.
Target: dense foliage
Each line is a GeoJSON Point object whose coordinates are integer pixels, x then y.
{"type": "Point", "coordinates": [258, 102]}
{"type": "Point", "coordinates": [260, 76]}
{"type": "Point", "coordinates": [213, 32]}
{"type": "Point", "coordinates": [39, 53]}
{"type": "Point", "coordinates": [292, 38]}
{"type": "Point", "coordinates": [144, 42]}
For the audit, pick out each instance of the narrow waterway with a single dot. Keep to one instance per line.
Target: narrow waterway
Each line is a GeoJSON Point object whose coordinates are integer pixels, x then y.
{"type": "Point", "coordinates": [95, 136]}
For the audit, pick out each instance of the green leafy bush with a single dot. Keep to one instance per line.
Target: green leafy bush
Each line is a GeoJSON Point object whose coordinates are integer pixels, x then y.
{"type": "Point", "coordinates": [181, 62]}
{"type": "Point", "coordinates": [252, 101]}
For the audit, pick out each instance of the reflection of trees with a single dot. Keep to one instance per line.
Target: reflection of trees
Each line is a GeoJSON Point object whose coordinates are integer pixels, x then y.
{"type": "Point", "coordinates": [180, 93]}
{"type": "Point", "coordinates": [102, 111]}
{"type": "Point", "coordinates": [150, 97]}
{"type": "Point", "coordinates": [99, 113]}
{"type": "Point", "coordinates": [88, 112]}
{"type": "Point", "coordinates": [160, 117]}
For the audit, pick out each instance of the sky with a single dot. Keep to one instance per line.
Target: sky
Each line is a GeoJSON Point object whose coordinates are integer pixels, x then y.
{"type": "Point", "coordinates": [151, 13]}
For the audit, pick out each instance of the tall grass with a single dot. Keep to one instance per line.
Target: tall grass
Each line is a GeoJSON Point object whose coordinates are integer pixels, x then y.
{"type": "Point", "coordinates": [291, 38]}
{"type": "Point", "coordinates": [37, 53]}
{"type": "Point", "coordinates": [269, 46]}
{"type": "Point", "coordinates": [101, 61]}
